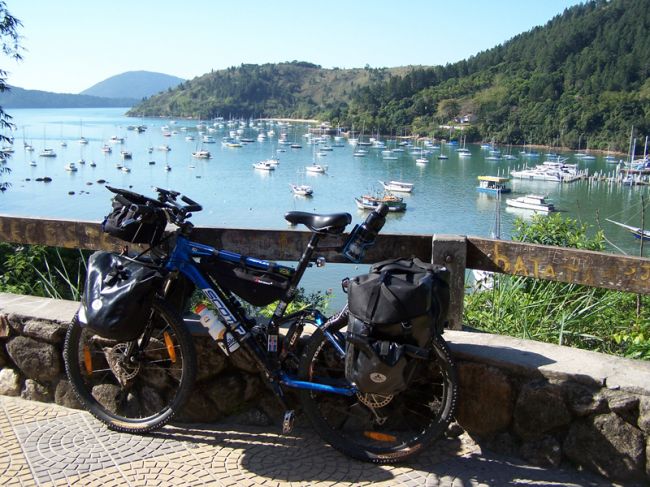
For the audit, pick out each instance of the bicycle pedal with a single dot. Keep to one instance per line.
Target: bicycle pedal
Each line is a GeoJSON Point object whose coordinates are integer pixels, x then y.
{"type": "Point", "coordinates": [287, 422]}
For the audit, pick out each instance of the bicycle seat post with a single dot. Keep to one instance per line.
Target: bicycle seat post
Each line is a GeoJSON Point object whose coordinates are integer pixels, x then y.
{"type": "Point", "coordinates": [273, 329]}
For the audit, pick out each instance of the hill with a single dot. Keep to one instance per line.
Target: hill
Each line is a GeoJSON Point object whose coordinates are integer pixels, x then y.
{"type": "Point", "coordinates": [583, 78]}
{"type": "Point", "coordinates": [20, 98]}
{"type": "Point", "coordinates": [293, 89]}
{"type": "Point", "coordinates": [133, 84]}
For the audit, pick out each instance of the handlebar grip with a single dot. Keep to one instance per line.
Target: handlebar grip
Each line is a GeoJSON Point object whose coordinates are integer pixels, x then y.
{"type": "Point", "coordinates": [191, 204]}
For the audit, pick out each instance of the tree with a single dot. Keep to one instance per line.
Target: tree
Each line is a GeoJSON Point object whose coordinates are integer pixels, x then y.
{"type": "Point", "coordinates": [9, 42]}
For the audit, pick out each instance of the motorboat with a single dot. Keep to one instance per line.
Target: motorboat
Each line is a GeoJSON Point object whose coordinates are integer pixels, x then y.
{"type": "Point", "coordinates": [398, 186]}
{"type": "Point", "coordinates": [106, 149]}
{"type": "Point", "coordinates": [264, 166]}
{"type": "Point", "coordinates": [531, 202]}
{"type": "Point", "coordinates": [202, 154]}
{"type": "Point", "coordinates": [164, 148]}
{"type": "Point", "coordinates": [493, 184]}
{"type": "Point", "coordinates": [126, 154]}
{"type": "Point", "coordinates": [370, 202]}
{"type": "Point", "coordinates": [70, 166]}
{"type": "Point", "coordinates": [316, 168]}
{"type": "Point", "coordinates": [301, 189]}
{"type": "Point", "coordinates": [47, 153]}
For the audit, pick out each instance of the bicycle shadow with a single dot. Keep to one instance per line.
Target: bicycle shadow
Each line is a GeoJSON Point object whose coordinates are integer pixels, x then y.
{"type": "Point", "coordinates": [302, 456]}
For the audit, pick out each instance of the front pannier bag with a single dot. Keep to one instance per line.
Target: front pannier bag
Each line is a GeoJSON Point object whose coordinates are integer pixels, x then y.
{"type": "Point", "coordinates": [118, 294]}
{"type": "Point", "coordinates": [393, 312]}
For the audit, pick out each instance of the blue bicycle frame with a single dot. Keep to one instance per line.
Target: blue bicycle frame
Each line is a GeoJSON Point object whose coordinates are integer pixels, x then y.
{"type": "Point", "coordinates": [182, 259]}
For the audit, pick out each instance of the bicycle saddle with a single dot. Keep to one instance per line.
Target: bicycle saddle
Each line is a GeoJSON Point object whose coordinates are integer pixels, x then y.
{"type": "Point", "coordinates": [334, 223]}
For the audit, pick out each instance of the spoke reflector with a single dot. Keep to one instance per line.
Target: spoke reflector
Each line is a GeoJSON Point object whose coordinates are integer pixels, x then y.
{"type": "Point", "coordinates": [88, 361]}
{"type": "Point", "coordinates": [170, 347]}
{"type": "Point", "coordinates": [373, 435]}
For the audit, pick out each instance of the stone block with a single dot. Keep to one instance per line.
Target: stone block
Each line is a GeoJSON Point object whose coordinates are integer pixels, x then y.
{"type": "Point", "coordinates": [198, 409]}
{"type": "Point", "coordinates": [539, 409]}
{"type": "Point", "coordinates": [37, 360]}
{"type": "Point", "coordinates": [608, 445]}
{"type": "Point", "coordinates": [226, 393]}
{"type": "Point", "coordinates": [644, 416]}
{"type": "Point", "coordinates": [210, 359]}
{"type": "Point", "coordinates": [624, 404]}
{"type": "Point", "coordinates": [9, 382]}
{"type": "Point", "coordinates": [47, 332]}
{"type": "Point", "coordinates": [545, 452]}
{"type": "Point", "coordinates": [33, 391]}
{"type": "Point", "coordinates": [65, 396]}
{"type": "Point", "coordinates": [582, 400]}
{"type": "Point", "coordinates": [486, 399]}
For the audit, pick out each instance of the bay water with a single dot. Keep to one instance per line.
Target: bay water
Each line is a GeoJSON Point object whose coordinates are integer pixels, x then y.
{"type": "Point", "coordinates": [235, 195]}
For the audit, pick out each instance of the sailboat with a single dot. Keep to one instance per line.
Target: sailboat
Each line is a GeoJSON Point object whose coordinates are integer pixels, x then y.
{"type": "Point", "coordinates": [636, 231]}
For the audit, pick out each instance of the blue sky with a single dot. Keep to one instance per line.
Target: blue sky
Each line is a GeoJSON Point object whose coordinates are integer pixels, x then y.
{"type": "Point", "coordinates": [73, 44]}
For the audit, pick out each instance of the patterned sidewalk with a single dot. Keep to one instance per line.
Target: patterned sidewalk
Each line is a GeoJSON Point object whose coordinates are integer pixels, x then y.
{"type": "Point", "coordinates": [48, 445]}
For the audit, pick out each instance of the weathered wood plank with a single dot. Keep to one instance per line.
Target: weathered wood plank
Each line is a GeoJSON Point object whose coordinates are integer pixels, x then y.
{"type": "Point", "coordinates": [597, 269]}
{"type": "Point", "coordinates": [451, 251]}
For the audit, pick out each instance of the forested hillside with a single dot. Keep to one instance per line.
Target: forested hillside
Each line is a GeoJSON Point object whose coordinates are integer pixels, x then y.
{"type": "Point", "coordinates": [580, 79]}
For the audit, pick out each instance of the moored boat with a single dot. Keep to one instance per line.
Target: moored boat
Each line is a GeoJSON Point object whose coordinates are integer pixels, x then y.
{"type": "Point", "coordinates": [302, 189]}
{"type": "Point", "coordinates": [398, 186]}
{"type": "Point", "coordinates": [47, 153]}
{"type": "Point", "coordinates": [316, 168]}
{"type": "Point", "coordinates": [202, 154]}
{"type": "Point", "coordinates": [369, 202]}
{"type": "Point", "coordinates": [493, 184]}
{"type": "Point", "coordinates": [264, 166]}
{"type": "Point", "coordinates": [636, 231]}
{"type": "Point", "coordinates": [531, 202]}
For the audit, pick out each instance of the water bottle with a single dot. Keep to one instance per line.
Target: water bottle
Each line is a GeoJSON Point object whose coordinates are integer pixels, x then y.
{"type": "Point", "coordinates": [216, 329]}
{"type": "Point", "coordinates": [363, 236]}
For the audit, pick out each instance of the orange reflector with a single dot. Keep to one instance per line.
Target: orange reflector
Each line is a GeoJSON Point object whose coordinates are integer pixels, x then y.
{"type": "Point", "coordinates": [170, 347]}
{"type": "Point", "coordinates": [88, 361]}
{"type": "Point", "coordinates": [373, 435]}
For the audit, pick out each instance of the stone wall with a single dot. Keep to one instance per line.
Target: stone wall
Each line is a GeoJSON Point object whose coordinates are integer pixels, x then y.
{"type": "Point", "coordinates": [544, 403]}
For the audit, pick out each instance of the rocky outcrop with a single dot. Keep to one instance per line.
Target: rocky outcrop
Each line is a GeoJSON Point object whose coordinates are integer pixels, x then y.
{"type": "Point", "coordinates": [607, 444]}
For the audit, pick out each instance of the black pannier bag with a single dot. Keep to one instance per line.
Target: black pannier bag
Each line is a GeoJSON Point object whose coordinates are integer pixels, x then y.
{"type": "Point", "coordinates": [118, 295]}
{"type": "Point", "coordinates": [135, 220]}
{"type": "Point", "coordinates": [258, 287]}
{"type": "Point", "coordinates": [394, 310]}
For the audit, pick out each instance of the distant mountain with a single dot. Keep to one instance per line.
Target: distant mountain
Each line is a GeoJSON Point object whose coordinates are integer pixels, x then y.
{"type": "Point", "coordinates": [133, 84]}
{"type": "Point", "coordinates": [20, 98]}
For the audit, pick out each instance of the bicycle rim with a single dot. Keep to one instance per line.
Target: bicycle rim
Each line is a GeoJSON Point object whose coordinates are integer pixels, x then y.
{"type": "Point", "coordinates": [135, 396]}
{"type": "Point", "coordinates": [376, 428]}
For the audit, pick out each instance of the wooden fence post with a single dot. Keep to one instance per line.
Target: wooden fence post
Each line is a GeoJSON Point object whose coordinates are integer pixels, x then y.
{"type": "Point", "coordinates": [451, 251]}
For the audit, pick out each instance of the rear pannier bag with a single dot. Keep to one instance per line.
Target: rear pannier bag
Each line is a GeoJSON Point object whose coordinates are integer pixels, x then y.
{"type": "Point", "coordinates": [258, 287]}
{"type": "Point", "coordinates": [393, 312]}
{"type": "Point", "coordinates": [135, 221]}
{"type": "Point", "coordinates": [118, 295]}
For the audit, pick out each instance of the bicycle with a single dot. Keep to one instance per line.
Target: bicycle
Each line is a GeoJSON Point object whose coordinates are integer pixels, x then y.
{"type": "Point", "coordinates": [137, 386]}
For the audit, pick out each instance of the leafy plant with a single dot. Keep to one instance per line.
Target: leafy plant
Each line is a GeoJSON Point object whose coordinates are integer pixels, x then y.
{"type": "Point", "coordinates": [566, 314]}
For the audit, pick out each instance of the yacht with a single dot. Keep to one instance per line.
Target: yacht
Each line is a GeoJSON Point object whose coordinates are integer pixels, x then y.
{"type": "Point", "coordinates": [531, 202]}
{"type": "Point", "coordinates": [398, 186]}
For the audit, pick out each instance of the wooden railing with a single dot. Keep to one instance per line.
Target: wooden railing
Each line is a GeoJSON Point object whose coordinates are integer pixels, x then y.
{"type": "Point", "coordinates": [458, 253]}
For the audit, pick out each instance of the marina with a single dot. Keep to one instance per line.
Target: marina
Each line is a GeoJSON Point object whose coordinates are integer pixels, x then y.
{"type": "Point", "coordinates": [446, 198]}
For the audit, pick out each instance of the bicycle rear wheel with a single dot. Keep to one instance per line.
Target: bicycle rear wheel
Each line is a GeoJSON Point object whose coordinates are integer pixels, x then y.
{"type": "Point", "coordinates": [378, 428]}
{"type": "Point", "coordinates": [136, 395]}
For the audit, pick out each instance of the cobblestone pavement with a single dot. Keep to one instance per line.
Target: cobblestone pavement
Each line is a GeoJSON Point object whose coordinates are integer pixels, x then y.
{"type": "Point", "coordinates": [48, 445]}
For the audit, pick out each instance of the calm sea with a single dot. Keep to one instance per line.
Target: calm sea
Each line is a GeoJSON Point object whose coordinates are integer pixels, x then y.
{"type": "Point", "coordinates": [234, 194]}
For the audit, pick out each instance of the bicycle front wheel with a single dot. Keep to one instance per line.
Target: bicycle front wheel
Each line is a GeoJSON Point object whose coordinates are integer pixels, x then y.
{"type": "Point", "coordinates": [371, 427]}
{"type": "Point", "coordinates": [139, 394]}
